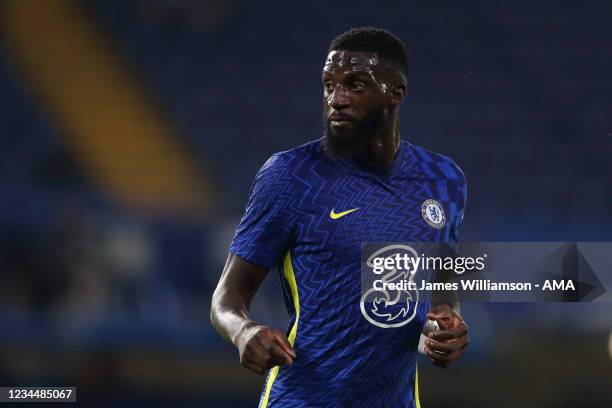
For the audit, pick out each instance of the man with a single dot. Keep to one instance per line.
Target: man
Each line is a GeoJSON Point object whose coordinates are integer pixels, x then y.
{"type": "Point", "coordinates": [309, 210]}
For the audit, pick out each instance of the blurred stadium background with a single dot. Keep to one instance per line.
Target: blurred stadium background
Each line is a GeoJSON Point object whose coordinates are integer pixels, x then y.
{"type": "Point", "coordinates": [130, 132]}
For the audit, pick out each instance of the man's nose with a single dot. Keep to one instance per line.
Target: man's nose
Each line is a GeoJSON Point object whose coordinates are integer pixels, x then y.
{"type": "Point", "coordinates": [339, 98]}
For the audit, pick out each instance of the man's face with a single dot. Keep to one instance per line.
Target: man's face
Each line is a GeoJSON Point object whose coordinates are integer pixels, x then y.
{"type": "Point", "coordinates": [356, 94]}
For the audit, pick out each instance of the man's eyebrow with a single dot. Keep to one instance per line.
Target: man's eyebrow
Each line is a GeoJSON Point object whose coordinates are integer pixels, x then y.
{"type": "Point", "coordinates": [357, 75]}
{"type": "Point", "coordinates": [349, 75]}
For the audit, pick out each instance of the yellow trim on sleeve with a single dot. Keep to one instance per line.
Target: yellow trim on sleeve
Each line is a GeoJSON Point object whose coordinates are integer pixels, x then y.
{"type": "Point", "coordinates": [290, 277]}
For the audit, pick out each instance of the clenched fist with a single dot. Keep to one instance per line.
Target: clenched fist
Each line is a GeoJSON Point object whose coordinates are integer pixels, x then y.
{"type": "Point", "coordinates": [447, 345]}
{"type": "Point", "coordinates": [262, 347]}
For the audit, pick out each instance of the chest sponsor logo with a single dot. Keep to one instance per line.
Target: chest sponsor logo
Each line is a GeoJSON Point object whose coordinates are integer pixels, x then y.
{"type": "Point", "coordinates": [396, 303]}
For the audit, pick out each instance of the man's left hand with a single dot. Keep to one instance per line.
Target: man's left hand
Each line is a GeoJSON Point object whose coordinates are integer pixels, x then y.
{"type": "Point", "coordinates": [449, 343]}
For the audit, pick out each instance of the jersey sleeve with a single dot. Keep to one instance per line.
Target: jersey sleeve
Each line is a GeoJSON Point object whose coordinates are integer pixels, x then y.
{"type": "Point", "coordinates": [462, 200]}
{"type": "Point", "coordinates": [266, 228]}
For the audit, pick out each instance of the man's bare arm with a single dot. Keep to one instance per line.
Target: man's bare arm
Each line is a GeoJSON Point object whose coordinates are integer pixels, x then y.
{"type": "Point", "coordinates": [260, 347]}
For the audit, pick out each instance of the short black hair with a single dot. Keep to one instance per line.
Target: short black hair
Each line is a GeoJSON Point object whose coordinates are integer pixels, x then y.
{"type": "Point", "coordinates": [373, 39]}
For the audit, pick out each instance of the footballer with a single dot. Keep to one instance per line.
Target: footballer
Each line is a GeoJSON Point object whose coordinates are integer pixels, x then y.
{"type": "Point", "coordinates": [308, 212]}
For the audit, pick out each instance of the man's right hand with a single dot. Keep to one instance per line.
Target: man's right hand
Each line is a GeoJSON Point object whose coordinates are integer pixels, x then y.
{"type": "Point", "coordinates": [262, 347]}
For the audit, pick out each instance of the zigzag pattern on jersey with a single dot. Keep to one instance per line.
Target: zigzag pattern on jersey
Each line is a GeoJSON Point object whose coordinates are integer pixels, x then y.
{"type": "Point", "coordinates": [265, 231]}
{"type": "Point", "coordinates": [343, 360]}
{"type": "Point", "coordinates": [323, 331]}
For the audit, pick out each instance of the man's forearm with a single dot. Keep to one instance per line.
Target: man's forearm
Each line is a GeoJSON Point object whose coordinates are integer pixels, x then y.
{"type": "Point", "coordinates": [229, 315]}
{"type": "Point", "coordinates": [454, 305]}
{"type": "Point", "coordinates": [231, 302]}
{"type": "Point", "coordinates": [448, 297]}
{"type": "Point", "coordinates": [260, 347]}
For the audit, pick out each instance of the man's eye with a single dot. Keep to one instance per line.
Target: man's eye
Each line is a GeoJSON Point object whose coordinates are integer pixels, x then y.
{"type": "Point", "coordinates": [358, 86]}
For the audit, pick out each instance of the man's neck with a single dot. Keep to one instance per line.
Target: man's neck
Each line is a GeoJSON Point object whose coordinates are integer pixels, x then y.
{"type": "Point", "coordinates": [385, 145]}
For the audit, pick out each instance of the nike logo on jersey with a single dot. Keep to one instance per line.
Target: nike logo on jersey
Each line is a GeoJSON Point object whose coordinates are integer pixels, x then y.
{"type": "Point", "coordinates": [335, 216]}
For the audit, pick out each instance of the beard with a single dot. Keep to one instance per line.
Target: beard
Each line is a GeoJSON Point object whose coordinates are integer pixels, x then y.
{"type": "Point", "coordinates": [353, 143]}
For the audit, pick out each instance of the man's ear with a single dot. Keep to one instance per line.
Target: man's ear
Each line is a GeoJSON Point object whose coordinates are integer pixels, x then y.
{"type": "Point", "coordinates": [398, 92]}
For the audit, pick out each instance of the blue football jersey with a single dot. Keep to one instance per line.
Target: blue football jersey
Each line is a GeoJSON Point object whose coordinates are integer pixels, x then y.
{"type": "Point", "coordinates": [307, 216]}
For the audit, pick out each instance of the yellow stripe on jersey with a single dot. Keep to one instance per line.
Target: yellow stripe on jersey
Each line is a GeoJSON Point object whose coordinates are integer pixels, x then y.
{"type": "Point", "coordinates": [290, 277]}
{"type": "Point", "coordinates": [271, 378]}
{"type": "Point", "coordinates": [416, 387]}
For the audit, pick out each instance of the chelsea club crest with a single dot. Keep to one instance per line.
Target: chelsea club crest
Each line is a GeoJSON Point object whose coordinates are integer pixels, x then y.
{"type": "Point", "coordinates": [433, 213]}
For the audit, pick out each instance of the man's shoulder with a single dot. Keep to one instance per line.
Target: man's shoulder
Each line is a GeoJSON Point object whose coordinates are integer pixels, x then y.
{"type": "Point", "coordinates": [288, 159]}
{"type": "Point", "coordinates": [437, 164]}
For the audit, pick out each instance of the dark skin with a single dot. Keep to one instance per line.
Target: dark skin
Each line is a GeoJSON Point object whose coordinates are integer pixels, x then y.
{"type": "Point", "coordinates": [447, 345]}
{"type": "Point", "coordinates": [260, 347]}
{"type": "Point", "coordinates": [350, 93]}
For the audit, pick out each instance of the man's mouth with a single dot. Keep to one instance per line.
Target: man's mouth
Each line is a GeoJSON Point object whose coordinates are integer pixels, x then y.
{"type": "Point", "coordinates": [340, 120]}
